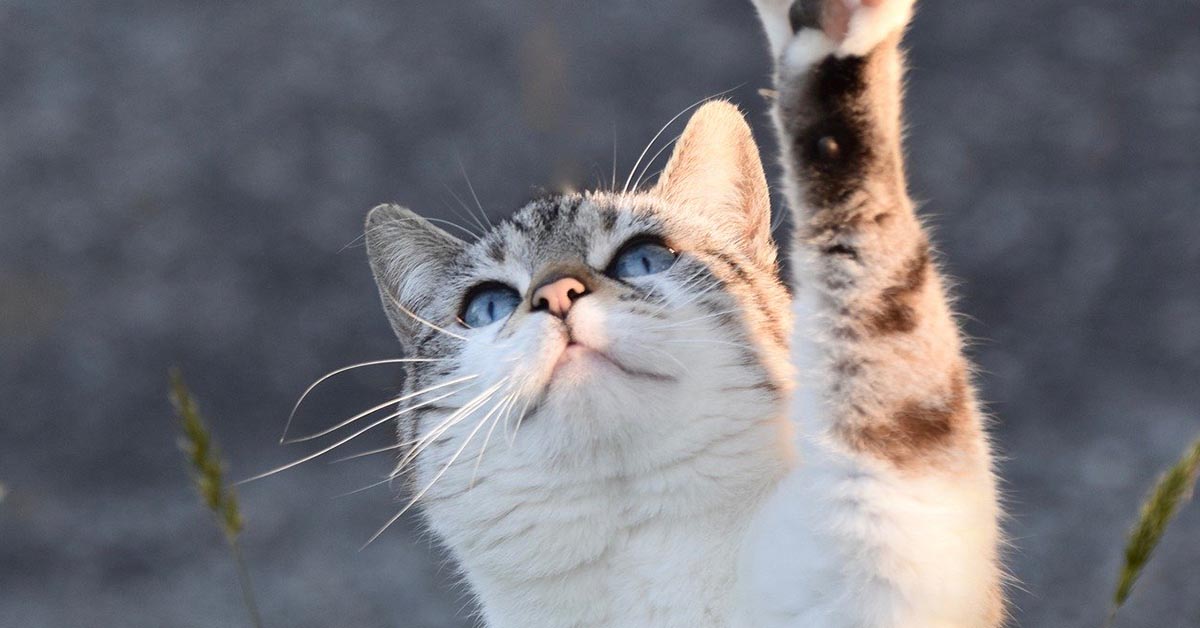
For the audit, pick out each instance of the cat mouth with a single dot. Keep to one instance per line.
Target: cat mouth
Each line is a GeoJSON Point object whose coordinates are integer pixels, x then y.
{"type": "Point", "coordinates": [576, 351]}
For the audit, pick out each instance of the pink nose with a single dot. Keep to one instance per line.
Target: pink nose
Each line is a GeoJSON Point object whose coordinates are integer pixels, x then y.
{"type": "Point", "coordinates": [558, 295]}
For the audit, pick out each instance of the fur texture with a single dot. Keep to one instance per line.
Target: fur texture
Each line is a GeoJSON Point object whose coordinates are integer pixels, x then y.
{"type": "Point", "coordinates": [891, 517]}
{"type": "Point", "coordinates": [610, 486]}
{"type": "Point", "coordinates": [639, 458]}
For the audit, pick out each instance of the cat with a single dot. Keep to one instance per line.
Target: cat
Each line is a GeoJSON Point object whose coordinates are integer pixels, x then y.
{"type": "Point", "coordinates": [626, 353]}
{"type": "Point", "coordinates": [612, 419]}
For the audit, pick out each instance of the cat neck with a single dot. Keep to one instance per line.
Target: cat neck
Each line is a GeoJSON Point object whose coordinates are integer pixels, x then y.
{"type": "Point", "coordinates": [651, 548]}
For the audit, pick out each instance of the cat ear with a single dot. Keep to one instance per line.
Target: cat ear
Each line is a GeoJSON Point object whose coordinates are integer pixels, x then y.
{"type": "Point", "coordinates": [715, 170]}
{"type": "Point", "coordinates": [410, 259]}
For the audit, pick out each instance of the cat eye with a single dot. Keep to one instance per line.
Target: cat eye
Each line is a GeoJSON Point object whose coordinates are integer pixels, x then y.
{"type": "Point", "coordinates": [488, 303]}
{"type": "Point", "coordinates": [640, 257]}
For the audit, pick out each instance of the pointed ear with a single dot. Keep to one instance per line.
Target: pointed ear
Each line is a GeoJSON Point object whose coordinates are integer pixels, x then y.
{"type": "Point", "coordinates": [410, 259]}
{"type": "Point", "coordinates": [715, 170]}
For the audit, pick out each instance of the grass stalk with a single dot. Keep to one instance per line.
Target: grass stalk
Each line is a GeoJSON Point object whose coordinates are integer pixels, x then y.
{"type": "Point", "coordinates": [1173, 490]}
{"type": "Point", "coordinates": [207, 471]}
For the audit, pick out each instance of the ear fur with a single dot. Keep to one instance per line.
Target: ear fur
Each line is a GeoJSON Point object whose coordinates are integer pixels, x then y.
{"type": "Point", "coordinates": [410, 259]}
{"type": "Point", "coordinates": [715, 169]}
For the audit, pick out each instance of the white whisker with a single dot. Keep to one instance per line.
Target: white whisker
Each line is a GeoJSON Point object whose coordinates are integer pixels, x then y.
{"type": "Point", "coordinates": [646, 168]}
{"type": "Point", "coordinates": [423, 321]}
{"type": "Point", "coordinates": [332, 447]}
{"type": "Point", "coordinates": [381, 406]}
{"type": "Point", "coordinates": [520, 418]}
{"type": "Point", "coordinates": [453, 419]}
{"type": "Point", "coordinates": [505, 402]}
{"type": "Point", "coordinates": [400, 445]}
{"type": "Point", "coordinates": [434, 481]}
{"type": "Point", "coordinates": [708, 341]}
{"type": "Point", "coordinates": [292, 415]}
{"type": "Point", "coordinates": [690, 320]}
{"type": "Point", "coordinates": [467, 209]}
{"type": "Point", "coordinates": [441, 221]}
{"type": "Point", "coordinates": [674, 359]}
{"type": "Point", "coordinates": [369, 452]}
{"type": "Point", "coordinates": [470, 187]}
{"type": "Point", "coordinates": [664, 128]}
{"type": "Point", "coordinates": [691, 299]}
{"type": "Point", "coordinates": [613, 188]}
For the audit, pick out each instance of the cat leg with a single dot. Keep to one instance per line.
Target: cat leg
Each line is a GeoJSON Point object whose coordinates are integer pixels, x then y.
{"type": "Point", "coordinates": [890, 518]}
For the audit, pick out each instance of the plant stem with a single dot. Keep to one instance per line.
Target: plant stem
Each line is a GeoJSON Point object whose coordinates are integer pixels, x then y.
{"type": "Point", "coordinates": [244, 579]}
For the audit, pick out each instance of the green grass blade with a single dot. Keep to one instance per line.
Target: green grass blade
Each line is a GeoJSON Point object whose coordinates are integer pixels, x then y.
{"type": "Point", "coordinates": [1172, 491]}
{"type": "Point", "coordinates": [207, 471]}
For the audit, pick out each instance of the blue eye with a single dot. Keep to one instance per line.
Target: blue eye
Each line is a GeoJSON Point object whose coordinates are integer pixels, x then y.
{"type": "Point", "coordinates": [641, 258]}
{"type": "Point", "coordinates": [488, 303]}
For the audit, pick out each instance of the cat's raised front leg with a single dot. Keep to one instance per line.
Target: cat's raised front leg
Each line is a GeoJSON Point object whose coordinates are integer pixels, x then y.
{"type": "Point", "coordinates": [891, 516]}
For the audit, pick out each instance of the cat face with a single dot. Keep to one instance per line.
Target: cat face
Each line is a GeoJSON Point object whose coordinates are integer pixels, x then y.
{"type": "Point", "coordinates": [595, 333]}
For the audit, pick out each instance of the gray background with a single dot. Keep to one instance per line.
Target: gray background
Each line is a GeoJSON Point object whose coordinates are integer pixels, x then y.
{"type": "Point", "coordinates": [179, 182]}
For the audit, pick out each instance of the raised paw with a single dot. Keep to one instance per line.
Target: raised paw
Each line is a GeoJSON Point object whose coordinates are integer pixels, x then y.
{"type": "Point", "coordinates": [841, 27]}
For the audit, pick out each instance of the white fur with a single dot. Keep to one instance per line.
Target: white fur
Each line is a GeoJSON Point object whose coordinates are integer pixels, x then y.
{"type": "Point", "coordinates": [850, 541]}
{"type": "Point", "coordinates": [804, 49]}
{"type": "Point", "coordinates": [622, 503]}
{"type": "Point", "coordinates": [631, 503]}
{"type": "Point", "coordinates": [867, 28]}
{"type": "Point", "coordinates": [871, 25]}
{"type": "Point", "coordinates": [774, 17]}
{"type": "Point", "coordinates": [847, 539]}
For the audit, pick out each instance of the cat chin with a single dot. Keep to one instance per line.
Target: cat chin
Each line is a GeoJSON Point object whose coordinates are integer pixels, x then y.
{"type": "Point", "coordinates": [577, 365]}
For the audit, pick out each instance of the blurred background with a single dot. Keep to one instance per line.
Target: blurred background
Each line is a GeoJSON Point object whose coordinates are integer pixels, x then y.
{"type": "Point", "coordinates": [183, 183]}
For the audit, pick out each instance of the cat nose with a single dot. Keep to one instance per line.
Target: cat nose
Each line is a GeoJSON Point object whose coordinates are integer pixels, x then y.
{"type": "Point", "coordinates": [557, 295]}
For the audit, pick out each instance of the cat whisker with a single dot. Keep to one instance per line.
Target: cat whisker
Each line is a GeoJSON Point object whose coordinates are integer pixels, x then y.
{"type": "Point", "coordinates": [416, 498]}
{"type": "Point", "coordinates": [381, 406]}
{"type": "Point", "coordinates": [463, 170]}
{"type": "Point", "coordinates": [685, 285]}
{"type": "Point", "coordinates": [672, 357]}
{"type": "Point", "coordinates": [506, 402]}
{"type": "Point", "coordinates": [403, 444]}
{"type": "Point", "coordinates": [508, 413]}
{"type": "Point", "coordinates": [369, 453]}
{"type": "Point", "coordinates": [520, 418]}
{"type": "Point", "coordinates": [646, 168]}
{"type": "Point", "coordinates": [689, 300]}
{"type": "Point", "coordinates": [395, 473]}
{"type": "Point", "coordinates": [311, 387]}
{"type": "Point", "coordinates": [387, 479]}
{"type": "Point", "coordinates": [450, 421]}
{"type": "Point", "coordinates": [715, 283]}
{"type": "Point", "coordinates": [690, 320]}
{"type": "Point", "coordinates": [440, 221]}
{"type": "Point", "coordinates": [450, 223]}
{"type": "Point", "coordinates": [362, 236]}
{"type": "Point", "coordinates": [613, 188]}
{"type": "Point", "coordinates": [708, 341]}
{"type": "Point", "coordinates": [469, 214]}
{"type": "Point", "coordinates": [322, 452]}
{"type": "Point", "coordinates": [425, 322]}
{"type": "Point", "coordinates": [776, 222]}
{"type": "Point", "coordinates": [654, 139]}
{"type": "Point", "coordinates": [457, 214]}
{"type": "Point", "coordinates": [693, 280]}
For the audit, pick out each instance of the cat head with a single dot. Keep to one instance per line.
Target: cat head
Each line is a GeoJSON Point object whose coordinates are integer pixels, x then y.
{"type": "Point", "coordinates": [599, 332]}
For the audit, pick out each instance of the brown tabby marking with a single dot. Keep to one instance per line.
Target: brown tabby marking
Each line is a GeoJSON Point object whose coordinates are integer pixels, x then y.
{"type": "Point", "coordinates": [917, 428]}
{"type": "Point", "coordinates": [896, 314]}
